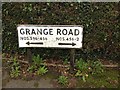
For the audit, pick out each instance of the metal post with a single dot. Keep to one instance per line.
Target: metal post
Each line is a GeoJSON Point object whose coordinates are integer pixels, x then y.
{"type": "Point", "coordinates": [72, 59]}
{"type": "Point", "coordinates": [29, 55]}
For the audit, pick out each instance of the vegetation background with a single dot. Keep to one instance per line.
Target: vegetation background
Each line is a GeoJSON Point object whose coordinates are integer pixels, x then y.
{"type": "Point", "coordinates": [101, 22]}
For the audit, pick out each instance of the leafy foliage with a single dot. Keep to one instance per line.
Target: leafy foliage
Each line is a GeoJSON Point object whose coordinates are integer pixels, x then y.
{"type": "Point", "coordinates": [37, 66]}
{"type": "Point", "coordinates": [96, 67]}
{"type": "Point", "coordinates": [84, 69]}
{"type": "Point", "coordinates": [37, 60]}
{"type": "Point", "coordinates": [15, 69]}
{"type": "Point", "coordinates": [42, 70]}
{"type": "Point", "coordinates": [65, 61]}
{"type": "Point", "coordinates": [63, 80]}
{"type": "Point", "coordinates": [100, 22]}
{"type": "Point", "coordinates": [32, 68]}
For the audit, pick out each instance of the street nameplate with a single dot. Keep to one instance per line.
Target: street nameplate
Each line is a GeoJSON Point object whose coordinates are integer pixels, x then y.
{"type": "Point", "coordinates": [59, 36]}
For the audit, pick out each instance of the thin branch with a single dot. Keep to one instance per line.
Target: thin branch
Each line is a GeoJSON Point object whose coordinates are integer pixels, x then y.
{"type": "Point", "coordinates": [58, 65]}
{"type": "Point", "coordinates": [55, 65]}
{"type": "Point", "coordinates": [110, 66]}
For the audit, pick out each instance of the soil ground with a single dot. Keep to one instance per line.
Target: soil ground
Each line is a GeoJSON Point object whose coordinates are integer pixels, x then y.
{"type": "Point", "coordinates": [108, 79]}
{"type": "Point", "coordinates": [48, 81]}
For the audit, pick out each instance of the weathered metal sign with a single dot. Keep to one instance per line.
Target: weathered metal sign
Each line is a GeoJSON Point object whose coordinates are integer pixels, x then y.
{"type": "Point", "coordinates": [64, 36]}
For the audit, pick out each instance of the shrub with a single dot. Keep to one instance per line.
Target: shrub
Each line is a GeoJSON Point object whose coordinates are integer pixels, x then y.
{"type": "Point", "coordinates": [37, 66]}
{"type": "Point", "coordinates": [100, 22]}
{"type": "Point", "coordinates": [37, 60]}
{"type": "Point", "coordinates": [63, 80]}
{"type": "Point", "coordinates": [15, 68]}
{"type": "Point", "coordinates": [85, 68]}
{"type": "Point", "coordinates": [42, 70]}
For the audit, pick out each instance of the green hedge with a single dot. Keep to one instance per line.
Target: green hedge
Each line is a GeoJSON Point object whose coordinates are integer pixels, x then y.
{"type": "Point", "coordinates": [100, 21]}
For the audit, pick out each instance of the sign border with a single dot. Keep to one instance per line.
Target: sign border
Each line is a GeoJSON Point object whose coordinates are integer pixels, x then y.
{"type": "Point", "coordinates": [31, 25]}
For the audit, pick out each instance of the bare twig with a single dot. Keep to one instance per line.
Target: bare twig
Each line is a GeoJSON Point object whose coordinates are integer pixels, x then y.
{"type": "Point", "coordinates": [20, 60]}
{"type": "Point", "coordinates": [56, 65]}
{"type": "Point", "coordinates": [110, 66]}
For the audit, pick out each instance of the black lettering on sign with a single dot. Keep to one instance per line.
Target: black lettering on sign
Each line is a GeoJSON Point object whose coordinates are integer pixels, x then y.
{"type": "Point", "coordinates": [50, 31]}
{"type": "Point", "coordinates": [27, 31]}
{"type": "Point", "coordinates": [76, 32]}
{"type": "Point", "coordinates": [64, 32]}
{"type": "Point", "coordinates": [70, 32]}
{"type": "Point", "coordinates": [33, 32]}
{"type": "Point", "coordinates": [45, 31]}
{"type": "Point", "coordinates": [58, 31]}
{"type": "Point", "coordinates": [21, 38]}
{"type": "Point", "coordinates": [77, 39]}
{"type": "Point", "coordinates": [22, 31]}
{"type": "Point", "coordinates": [35, 38]}
{"type": "Point", "coordinates": [39, 31]}
{"type": "Point", "coordinates": [67, 39]}
{"type": "Point", "coordinates": [63, 38]}
{"type": "Point", "coordinates": [58, 39]}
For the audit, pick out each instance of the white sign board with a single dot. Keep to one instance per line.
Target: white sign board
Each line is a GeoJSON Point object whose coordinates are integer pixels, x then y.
{"type": "Point", "coordinates": [50, 36]}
